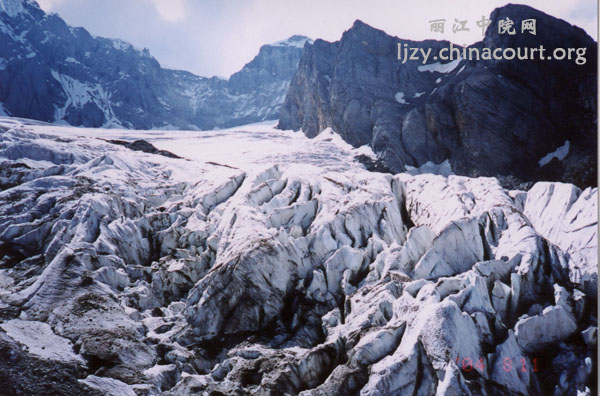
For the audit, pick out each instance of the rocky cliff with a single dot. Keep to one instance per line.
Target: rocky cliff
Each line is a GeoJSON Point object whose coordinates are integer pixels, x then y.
{"type": "Point", "coordinates": [52, 72]}
{"type": "Point", "coordinates": [487, 117]}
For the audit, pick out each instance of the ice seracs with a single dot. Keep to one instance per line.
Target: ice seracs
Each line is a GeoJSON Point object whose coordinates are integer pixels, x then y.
{"type": "Point", "coordinates": [291, 272]}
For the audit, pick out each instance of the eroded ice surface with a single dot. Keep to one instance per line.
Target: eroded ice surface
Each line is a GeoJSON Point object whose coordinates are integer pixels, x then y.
{"type": "Point", "coordinates": [266, 263]}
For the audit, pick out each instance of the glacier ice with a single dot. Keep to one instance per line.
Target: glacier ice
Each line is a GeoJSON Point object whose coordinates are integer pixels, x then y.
{"type": "Point", "coordinates": [281, 266]}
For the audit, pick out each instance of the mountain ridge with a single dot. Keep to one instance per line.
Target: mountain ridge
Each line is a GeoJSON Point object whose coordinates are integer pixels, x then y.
{"type": "Point", "coordinates": [488, 118]}
{"type": "Point", "coordinates": [50, 71]}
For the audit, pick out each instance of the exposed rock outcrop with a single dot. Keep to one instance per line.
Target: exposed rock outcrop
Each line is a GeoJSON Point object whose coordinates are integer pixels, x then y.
{"type": "Point", "coordinates": [487, 117]}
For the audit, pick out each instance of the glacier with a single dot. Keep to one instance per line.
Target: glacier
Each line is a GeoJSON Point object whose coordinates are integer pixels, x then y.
{"type": "Point", "coordinates": [264, 262]}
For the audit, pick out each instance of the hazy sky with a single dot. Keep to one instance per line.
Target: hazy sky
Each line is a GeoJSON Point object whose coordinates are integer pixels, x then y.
{"type": "Point", "coordinates": [217, 37]}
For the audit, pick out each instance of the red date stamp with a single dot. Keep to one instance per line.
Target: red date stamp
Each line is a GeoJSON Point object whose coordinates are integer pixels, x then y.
{"type": "Point", "coordinates": [507, 364]}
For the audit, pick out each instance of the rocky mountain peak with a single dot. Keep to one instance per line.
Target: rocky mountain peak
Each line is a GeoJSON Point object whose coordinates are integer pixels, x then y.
{"type": "Point", "coordinates": [359, 26]}
{"type": "Point", "coordinates": [361, 33]}
{"type": "Point", "coordinates": [293, 41]}
{"type": "Point", "coordinates": [486, 117]}
{"type": "Point", "coordinates": [549, 29]}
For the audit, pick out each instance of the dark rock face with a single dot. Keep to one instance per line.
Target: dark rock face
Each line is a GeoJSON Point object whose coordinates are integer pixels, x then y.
{"type": "Point", "coordinates": [50, 71]}
{"type": "Point", "coordinates": [488, 117]}
{"type": "Point", "coordinates": [144, 146]}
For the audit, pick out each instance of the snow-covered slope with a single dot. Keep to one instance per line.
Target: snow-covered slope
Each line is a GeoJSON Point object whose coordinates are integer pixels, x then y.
{"type": "Point", "coordinates": [280, 266]}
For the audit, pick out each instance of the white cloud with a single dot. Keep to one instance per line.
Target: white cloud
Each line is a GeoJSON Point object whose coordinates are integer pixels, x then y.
{"type": "Point", "coordinates": [170, 10]}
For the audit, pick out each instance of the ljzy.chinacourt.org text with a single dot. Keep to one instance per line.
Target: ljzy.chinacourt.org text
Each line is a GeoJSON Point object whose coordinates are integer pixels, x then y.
{"type": "Point", "coordinates": [407, 53]}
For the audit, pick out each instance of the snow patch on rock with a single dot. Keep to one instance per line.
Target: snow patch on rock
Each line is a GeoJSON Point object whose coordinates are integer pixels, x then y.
{"type": "Point", "coordinates": [560, 154]}
{"type": "Point", "coordinates": [400, 98]}
{"type": "Point", "coordinates": [438, 67]}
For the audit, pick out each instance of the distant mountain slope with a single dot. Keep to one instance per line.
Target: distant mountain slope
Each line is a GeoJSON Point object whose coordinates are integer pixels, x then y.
{"type": "Point", "coordinates": [50, 71]}
{"type": "Point", "coordinates": [487, 117]}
